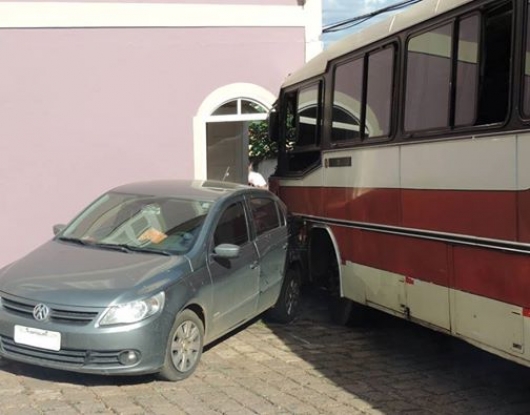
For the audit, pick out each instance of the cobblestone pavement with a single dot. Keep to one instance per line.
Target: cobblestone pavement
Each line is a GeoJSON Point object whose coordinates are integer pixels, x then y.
{"type": "Point", "coordinates": [309, 367]}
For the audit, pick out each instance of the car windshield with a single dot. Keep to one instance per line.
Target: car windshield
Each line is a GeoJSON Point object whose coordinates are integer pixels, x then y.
{"type": "Point", "coordinates": [153, 223]}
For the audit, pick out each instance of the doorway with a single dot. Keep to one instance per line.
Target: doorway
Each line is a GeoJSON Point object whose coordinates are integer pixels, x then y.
{"type": "Point", "coordinates": [227, 139]}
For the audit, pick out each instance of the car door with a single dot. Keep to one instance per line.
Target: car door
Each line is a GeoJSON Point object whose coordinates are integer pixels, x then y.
{"type": "Point", "coordinates": [235, 281]}
{"type": "Point", "coordinates": [270, 230]}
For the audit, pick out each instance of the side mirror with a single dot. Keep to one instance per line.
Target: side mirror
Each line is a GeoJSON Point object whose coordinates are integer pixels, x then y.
{"type": "Point", "coordinates": [58, 228]}
{"type": "Point", "coordinates": [226, 251]}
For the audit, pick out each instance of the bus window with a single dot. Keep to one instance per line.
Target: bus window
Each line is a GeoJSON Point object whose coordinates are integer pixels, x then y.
{"type": "Point", "coordinates": [428, 79]}
{"type": "Point", "coordinates": [379, 93]}
{"type": "Point", "coordinates": [302, 120]}
{"type": "Point", "coordinates": [467, 72]}
{"type": "Point", "coordinates": [308, 116]}
{"type": "Point", "coordinates": [526, 104]}
{"type": "Point", "coordinates": [497, 47]}
{"type": "Point", "coordinates": [347, 101]}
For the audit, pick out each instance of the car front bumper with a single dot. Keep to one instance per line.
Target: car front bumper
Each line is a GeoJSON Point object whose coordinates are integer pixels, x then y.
{"type": "Point", "coordinates": [88, 348]}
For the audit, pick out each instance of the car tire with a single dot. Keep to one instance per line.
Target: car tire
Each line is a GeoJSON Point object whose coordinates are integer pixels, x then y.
{"type": "Point", "coordinates": [288, 304]}
{"type": "Point", "coordinates": [184, 347]}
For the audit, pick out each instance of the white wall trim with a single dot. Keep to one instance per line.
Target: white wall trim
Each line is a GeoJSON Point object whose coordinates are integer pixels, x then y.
{"type": "Point", "coordinates": [211, 103]}
{"type": "Point", "coordinates": [87, 14]}
{"type": "Point", "coordinates": [313, 28]}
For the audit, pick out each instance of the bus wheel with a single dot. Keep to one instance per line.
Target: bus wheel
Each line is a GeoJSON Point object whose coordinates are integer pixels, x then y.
{"type": "Point", "coordinates": [288, 305]}
{"type": "Point", "coordinates": [340, 310]}
{"type": "Point", "coordinates": [347, 312]}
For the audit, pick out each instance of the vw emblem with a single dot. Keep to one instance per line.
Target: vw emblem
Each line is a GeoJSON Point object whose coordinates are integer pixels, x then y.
{"type": "Point", "coordinates": [41, 312]}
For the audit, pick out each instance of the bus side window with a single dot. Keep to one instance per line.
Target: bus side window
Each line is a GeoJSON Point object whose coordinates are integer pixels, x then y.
{"type": "Point", "coordinates": [428, 79]}
{"type": "Point", "coordinates": [302, 115]}
{"type": "Point", "coordinates": [495, 62]}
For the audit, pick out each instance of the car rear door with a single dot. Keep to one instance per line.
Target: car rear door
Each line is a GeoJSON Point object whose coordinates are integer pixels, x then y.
{"type": "Point", "coordinates": [270, 230]}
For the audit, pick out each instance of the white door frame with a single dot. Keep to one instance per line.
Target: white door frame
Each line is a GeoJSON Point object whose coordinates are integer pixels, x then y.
{"type": "Point", "coordinates": [213, 101]}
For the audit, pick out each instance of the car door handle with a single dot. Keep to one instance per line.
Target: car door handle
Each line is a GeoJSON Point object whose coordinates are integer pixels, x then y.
{"type": "Point", "coordinates": [254, 265]}
{"type": "Point", "coordinates": [285, 246]}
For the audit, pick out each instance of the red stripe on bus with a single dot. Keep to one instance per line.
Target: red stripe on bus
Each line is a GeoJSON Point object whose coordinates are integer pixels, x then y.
{"type": "Point", "coordinates": [487, 214]}
{"type": "Point", "coordinates": [498, 275]}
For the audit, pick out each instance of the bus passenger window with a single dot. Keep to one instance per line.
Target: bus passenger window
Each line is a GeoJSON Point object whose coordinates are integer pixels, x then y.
{"type": "Point", "coordinates": [379, 93]}
{"type": "Point", "coordinates": [526, 105]}
{"type": "Point", "coordinates": [428, 80]}
{"type": "Point", "coordinates": [347, 101]}
{"type": "Point", "coordinates": [467, 72]}
{"type": "Point", "coordinates": [496, 50]}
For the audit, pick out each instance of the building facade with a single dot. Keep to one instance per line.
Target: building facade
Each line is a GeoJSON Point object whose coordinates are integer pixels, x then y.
{"type": "Point", "coordinates": [96, 94]}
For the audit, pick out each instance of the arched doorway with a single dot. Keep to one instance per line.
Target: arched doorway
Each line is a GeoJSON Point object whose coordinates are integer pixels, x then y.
{"type": "Point", "coordinates": [221, 131]}
{"type": "Point", "coordinates": [227, 139]}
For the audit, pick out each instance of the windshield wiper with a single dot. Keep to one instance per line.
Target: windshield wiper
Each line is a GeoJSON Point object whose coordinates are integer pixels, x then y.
{"type": "Point", "coordinates": [115, 247]}
{"type": "Point", "coordinates": [74, 240]}
{"type": "Point", "coordinates": [145, 250]}
{"type": "Point", "coordinates": [132, 248]}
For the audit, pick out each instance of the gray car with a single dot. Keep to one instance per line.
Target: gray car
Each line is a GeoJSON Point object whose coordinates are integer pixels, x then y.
{"type": "Point", "coordinates": [146, 276]}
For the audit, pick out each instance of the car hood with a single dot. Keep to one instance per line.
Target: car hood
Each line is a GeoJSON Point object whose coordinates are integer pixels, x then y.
{"type": "Point", "coordinates": [66, 274]}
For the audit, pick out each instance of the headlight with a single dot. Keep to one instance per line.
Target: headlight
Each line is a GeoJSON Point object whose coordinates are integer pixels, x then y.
{"type": "Point", "coordinates": [133, 311]}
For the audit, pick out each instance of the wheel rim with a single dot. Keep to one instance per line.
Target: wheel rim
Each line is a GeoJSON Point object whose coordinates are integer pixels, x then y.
{"type": "Point", "coordinates": [186, 346]}
{"type": "Point", "coordinates": [292, 296]}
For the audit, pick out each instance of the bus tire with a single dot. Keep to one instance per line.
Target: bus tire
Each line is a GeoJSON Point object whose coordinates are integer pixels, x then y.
{"type": "Point", "coordinates": [340, 310]}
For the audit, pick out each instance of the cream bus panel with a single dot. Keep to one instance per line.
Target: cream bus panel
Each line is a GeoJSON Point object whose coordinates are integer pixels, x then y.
{"type": "Point", "coordinates": [370, 168]}
{"type": "Point", "coordinates": [474, 164]}
{"type": "Point", "coordinates": [488, 322]}
{"type": "Point", "coordinates": [381, 288]}
{"type": "Point", "coordinates": [429, 302]}
{"type": "Point", "coordinates": [523, 166]}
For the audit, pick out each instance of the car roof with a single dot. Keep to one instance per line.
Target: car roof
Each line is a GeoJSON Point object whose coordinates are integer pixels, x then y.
{"type": "Point", "coordinates": [204, 190]}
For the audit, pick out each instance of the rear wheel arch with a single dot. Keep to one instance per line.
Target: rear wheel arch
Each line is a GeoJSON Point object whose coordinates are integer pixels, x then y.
{"type": "Point", "coordinates": [324, 259]}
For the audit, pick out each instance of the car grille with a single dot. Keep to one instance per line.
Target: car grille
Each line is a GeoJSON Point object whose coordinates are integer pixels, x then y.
{"type": "Point", "coordinates": [64, 315]}
{"type": "Point", "coordinates": [70, 358]}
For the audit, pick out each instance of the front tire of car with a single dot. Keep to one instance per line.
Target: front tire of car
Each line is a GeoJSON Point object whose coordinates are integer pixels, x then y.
{"type": "Point", "coordinates": [288, 305]}
{"type": "Point", "coordinates": [184, 347]}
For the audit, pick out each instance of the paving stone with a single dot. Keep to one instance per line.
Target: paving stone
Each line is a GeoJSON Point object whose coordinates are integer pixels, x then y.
{"type": "Point", "coordinates": [309, 367]}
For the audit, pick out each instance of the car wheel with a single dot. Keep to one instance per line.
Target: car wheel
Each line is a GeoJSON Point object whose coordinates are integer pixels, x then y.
{"type": "Point", "coordinates": [184, 347]}
{"type": "Point", "coordinates": [288, 305]}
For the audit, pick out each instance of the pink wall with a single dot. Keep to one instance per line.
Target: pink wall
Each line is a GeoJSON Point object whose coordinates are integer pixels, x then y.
{"type": "Point", "coordinates": [83, 110]}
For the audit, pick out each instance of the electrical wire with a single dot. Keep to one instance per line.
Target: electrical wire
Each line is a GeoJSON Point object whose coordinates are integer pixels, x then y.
{"type": "Point", "coordinates": [354, 21]}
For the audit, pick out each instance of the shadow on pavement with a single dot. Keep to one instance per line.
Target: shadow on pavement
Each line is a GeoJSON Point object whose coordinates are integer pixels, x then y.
{"type": "Point", "coordinates": [396, 366]}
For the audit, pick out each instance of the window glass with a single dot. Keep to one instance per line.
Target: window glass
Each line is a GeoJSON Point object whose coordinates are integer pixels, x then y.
{"type": "Point", "coordinates": [140, 221]}
{"type": "Point", "coordinates": [379, 93]}
{"type": "Point", "coordinates": [347, 101]}
{"type": "Point", "coordinates": [467, 71]}
{"type": "Point", "coordinates": [302, 118]}
{"type": "Point", "coordinates": [495, 71]}
{"type": "Point", "coordinates": [264, 214]}
{"type": "Point", "coordinates": [308, 116]}
{"type": "Point", "coordinates": [428, 79]}
{"type": "Point", "coordinates": [526, 104]}
{"type": "Point", "coordinates": [289, 119]}
{"type": "Point", "coordinates": [229, 108]}
{"type": "Point", "coordinates": [232, 227]}
{"type": "Point", "coordinates": [250, 107]}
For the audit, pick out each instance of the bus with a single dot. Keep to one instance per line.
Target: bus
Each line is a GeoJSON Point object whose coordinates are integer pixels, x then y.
{"type": "Point", "coordinates": [404, 158]}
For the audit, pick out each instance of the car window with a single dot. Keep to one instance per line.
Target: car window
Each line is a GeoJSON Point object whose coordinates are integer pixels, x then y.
{"type": "Point", "coordinates": [264, 214]}
{"type": "Point", "coordinates": [232, 226]}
